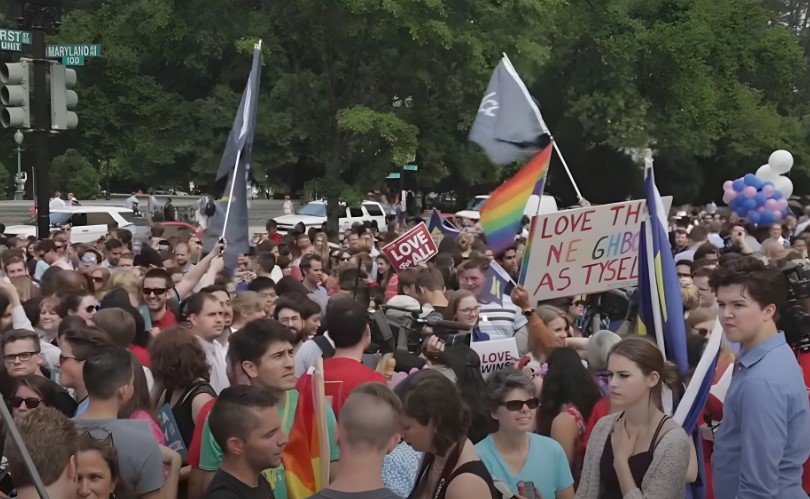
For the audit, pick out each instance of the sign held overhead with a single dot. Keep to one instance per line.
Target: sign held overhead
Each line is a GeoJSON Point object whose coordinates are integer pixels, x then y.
{"type": "Point", "coordinates": [585, 250]}
{"type": "Point", "coordinates": [411, 249]}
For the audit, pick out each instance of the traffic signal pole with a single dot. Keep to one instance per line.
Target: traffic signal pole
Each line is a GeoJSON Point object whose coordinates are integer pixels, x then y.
{"type": "Point", "coordinates": [42, 122]}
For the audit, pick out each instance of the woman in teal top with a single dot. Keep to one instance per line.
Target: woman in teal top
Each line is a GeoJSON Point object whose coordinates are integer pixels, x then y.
{"type": "Point", "coordinates": [513, 454]}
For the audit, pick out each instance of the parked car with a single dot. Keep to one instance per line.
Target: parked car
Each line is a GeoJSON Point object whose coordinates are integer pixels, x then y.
{"type": "Point", "coordinates": [313, 214]}
{"type": "Point", "coordinates": [89, 223]}
{"type": "Point", "coordinates": [547, 205]}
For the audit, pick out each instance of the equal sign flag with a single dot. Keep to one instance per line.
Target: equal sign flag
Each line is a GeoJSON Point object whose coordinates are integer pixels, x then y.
{"type": "Point", "coordinates": [502, 213]}
{"type": "Point", "coordinates": [231, 218]}
{"type": "Point", "coordinates": [661, 313]}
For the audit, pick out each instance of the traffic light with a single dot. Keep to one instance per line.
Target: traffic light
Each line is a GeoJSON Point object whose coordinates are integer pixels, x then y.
{"type": "Point", "coordinates": [15, 95]}
{"type": "Point", "coordinates": [63, 99]}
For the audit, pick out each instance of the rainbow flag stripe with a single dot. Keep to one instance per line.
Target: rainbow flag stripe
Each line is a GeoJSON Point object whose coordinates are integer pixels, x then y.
{"type": "Point", "coordinates": [501, 215]}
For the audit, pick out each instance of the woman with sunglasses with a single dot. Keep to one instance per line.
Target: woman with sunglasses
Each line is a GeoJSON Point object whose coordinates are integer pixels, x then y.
{"type": "Point", "coordinates": [101, 278]}
{"type": "Point", "coordinates": [81, 303]}
{"type": "Point", "coordinates": [31, 392]}
{"type": "Point", "coordinates": [568, 396]}
{"type": "Point", "coordinates": [98, 474]}
{"type": "Point", "coordinates": [514, 454]}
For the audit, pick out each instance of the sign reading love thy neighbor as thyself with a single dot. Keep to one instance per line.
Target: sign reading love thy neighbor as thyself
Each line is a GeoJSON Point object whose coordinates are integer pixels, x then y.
{"type": "Point", "coordinates": [586, 250]}
{"type": "Point", "coordinates": [411, 249]}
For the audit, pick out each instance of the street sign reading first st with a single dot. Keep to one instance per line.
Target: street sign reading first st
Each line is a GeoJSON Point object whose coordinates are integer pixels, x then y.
{"type": "Point", "coordinates": [73, 54]}
{"type": "Point", "coordinates": [11, 39]}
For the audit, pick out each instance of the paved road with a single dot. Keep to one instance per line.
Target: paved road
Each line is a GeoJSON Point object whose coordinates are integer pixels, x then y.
{"type": "Point", "coordinates": [16, 212]}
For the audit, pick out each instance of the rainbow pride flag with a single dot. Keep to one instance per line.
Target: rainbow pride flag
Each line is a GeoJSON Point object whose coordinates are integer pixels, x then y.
{"type": "Point", "coordinates": [306, 456]}
{"type": "Point", "coordinates": [501, 215]}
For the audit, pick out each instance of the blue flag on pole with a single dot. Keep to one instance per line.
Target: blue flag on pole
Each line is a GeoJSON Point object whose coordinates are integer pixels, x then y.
{"type": "Point", "coordinates": [437, 227]}
{"type": "Point", "coordinates": [497, 283]}
{"type": "Point", "coordinates": [233, 173]}
{"type": "Point", "coordinates": [660, 308]}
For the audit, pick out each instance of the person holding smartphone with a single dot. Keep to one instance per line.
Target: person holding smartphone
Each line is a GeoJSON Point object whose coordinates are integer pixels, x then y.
{"type": "Point", "coordinates": [530, 465]}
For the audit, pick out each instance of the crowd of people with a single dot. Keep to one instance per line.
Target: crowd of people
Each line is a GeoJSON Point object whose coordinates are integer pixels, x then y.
{"type": "Point", "coordinates": [156, 372]}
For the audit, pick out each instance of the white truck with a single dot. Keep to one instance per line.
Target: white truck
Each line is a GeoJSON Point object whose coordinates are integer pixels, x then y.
{"type": "Point", "coordinates": [547, 205]}
{"type": "Point", "coordinates": [313, 214]}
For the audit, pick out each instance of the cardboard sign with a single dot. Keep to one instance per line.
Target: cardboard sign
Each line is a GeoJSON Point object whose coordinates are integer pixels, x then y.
{"type": "Point", "coordinates": [411, 249]}
{"type": "Point", "coordinates": [171, 432]}
{"type": "Point", "coordinates": [495, 354]}
{"type": "Point", "coordinates": [586, 250]}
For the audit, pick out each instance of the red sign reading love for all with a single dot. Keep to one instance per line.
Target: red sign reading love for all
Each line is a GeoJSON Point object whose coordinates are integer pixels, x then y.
{"type": "Point", "coordinates": [411, 249]}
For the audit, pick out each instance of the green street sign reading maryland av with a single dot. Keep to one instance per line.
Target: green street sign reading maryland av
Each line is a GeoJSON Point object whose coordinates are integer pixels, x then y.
{"type": "Point", "coordinates": [73, 55]}
{"type": "Point", "coordinates": [11, 39]}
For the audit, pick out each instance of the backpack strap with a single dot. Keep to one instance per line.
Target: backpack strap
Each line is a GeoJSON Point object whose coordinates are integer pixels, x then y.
{"type": "Point", "coordinates": [327, 350]}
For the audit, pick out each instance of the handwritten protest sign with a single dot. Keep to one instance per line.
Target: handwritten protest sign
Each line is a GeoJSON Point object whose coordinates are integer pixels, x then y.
{"type": "Point", "coordinates": [495, 354]}
{"type": "Point", "coordinates": [411, 249]}
{"type": "Point", "coordinates": [586, 250]}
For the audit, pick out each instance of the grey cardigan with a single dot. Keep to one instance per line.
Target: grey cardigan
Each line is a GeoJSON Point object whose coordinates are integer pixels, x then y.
{"type": "Point", "coordinates": [665, 478]}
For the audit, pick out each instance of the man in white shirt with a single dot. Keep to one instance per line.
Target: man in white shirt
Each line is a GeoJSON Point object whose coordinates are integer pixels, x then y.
{"type": "Point", "coordinates": [57, 201]}
{"type": "Point", "coordinates": [207, 318]}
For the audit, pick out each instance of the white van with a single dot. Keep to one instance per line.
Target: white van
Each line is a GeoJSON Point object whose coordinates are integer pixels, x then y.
{"type": "Point", "coordinates": [547, 205]}
{"type": "Point", "coordinates": [313, 214]}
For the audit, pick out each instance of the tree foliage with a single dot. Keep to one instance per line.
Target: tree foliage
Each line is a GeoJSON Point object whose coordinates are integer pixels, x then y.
{"type": "Point", "coordinates": [353, 89]}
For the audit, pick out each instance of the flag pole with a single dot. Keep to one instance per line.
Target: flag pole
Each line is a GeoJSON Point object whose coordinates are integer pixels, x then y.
{"type": "Point", "coordinates": [539, 117]}
{"type": "Point", "coordinates": [230, 194]}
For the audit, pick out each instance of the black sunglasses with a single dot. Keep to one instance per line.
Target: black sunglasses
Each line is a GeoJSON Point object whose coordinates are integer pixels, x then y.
{"type": "Point", "coordinates": [517, 405]}
{"type": "Point", "coordinates": [154, 291]}
{"type": "Point", "coordinates": [30, 402]}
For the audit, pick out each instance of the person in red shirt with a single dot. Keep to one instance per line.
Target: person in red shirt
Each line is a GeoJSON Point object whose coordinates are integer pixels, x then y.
{"type": "Point", "coordinates": [348, 328]}
{"type": "Point", "coordinates": [157, 285]}
{"type": "Point", "coordinates": [272, 232]}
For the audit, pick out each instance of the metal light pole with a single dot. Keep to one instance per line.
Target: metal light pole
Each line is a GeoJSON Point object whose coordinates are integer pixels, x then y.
{"type": "Point", "coordinates": [20, 179]}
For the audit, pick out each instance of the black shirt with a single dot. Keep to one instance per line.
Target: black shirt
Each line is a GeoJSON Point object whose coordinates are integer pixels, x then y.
{"type": "Point", "coordinates": [226, 486]}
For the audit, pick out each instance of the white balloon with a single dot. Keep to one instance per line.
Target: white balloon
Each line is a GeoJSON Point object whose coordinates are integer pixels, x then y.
{"type": "Point", "coordinates": [781, 161]}
{"type": "Point", "coordinates": [765, 172]}
{"type": "Point", "coordinates": [783, 185]}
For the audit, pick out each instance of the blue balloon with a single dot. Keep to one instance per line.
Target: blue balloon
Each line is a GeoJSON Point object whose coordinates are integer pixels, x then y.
{"type": "Point", "coordinates": [760, 199]}
{"type": "Point", "coordinates": [741, 211]}
{"type": "Point", "coordinates": [766, 218]}
{"type": "Point", "coordinates": [750, 204]}
{"type": "Point", "coordinates": [738, 185]}
{"type": "Point", "coordinates": [777, 195]}
{"type": "Point", "coordinates": [754, 217]}
{"type": "Point", "coordinates": [750, 179]}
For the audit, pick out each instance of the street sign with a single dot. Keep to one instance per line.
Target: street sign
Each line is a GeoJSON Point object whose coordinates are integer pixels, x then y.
{"type": "Point", "coordinates": [410, 168]}
{"type": "Point", "coordinates": [11, 39]}
{"type": "Point", "coordinates": [73, 54]}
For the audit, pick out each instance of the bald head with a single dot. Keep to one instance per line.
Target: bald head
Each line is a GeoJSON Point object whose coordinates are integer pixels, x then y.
{"type": "Point", "coordinates": [369, 419]}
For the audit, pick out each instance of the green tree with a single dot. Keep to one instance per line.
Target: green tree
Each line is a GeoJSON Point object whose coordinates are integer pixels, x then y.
{"type": "Point", "coordinates": [72, 172]}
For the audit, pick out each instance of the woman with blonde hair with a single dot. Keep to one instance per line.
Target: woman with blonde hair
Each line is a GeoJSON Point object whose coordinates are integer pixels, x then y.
{"type": "Point", "coordinates": [464, 242]}
{"type": "Point", "coordinates": [557, 322]}
{"type": "Point", "coordinates": [130, 281]}
{"type": "Point", "coordinates": [247, 306]}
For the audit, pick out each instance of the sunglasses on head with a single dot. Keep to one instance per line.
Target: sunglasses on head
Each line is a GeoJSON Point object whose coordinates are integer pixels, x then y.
{"type": "Point", "coordinates": [30, 402]}
{"type": "Point", "coordinates": [100, 435]}
{"type": "Point", "coordinates": [154, 291]}
{"type": "Point", "coordinates": [517, 405]}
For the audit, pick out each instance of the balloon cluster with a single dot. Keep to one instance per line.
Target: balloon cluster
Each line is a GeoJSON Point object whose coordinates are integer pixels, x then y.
{"type": "Point", "coordinates": [762, 198]}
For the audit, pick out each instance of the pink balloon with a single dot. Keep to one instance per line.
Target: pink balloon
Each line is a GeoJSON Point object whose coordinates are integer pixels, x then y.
{"type": "Point", "coordinates": [729, 196]}
{"type": "Point", "coordinates": [749, 191]}
{"type": "Point", "coordinates": [777, 215]}
{"type": "Point", "coordinates": [768, 190]}
{"type": "Point", "coordinates": [783, 204]}
{"type": "Point", "coordinates": [727, 185]}
{"type": "Point", "coordinates": [772, 205]}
